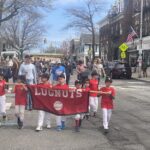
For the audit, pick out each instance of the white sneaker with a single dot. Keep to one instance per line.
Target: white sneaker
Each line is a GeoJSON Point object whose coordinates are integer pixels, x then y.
{"type": "Point", "coordinates": [39, 128]}
{"type": "Point", "coordinates": [48, 126]}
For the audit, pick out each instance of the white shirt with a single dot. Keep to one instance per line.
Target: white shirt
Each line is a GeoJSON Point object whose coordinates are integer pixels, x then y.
{"type": "Point", "coordinates": [28, 70]}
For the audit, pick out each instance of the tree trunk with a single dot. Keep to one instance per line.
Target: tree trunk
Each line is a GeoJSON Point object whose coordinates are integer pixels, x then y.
{"type": "Point", "coordinates": [93, 44]}
{"type": "Point", "coordinates": [1, 11]}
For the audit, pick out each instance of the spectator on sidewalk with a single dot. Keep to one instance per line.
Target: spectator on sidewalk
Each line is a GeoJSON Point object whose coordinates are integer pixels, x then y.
{"type": "Point", "coordinates": [29, 71]}
{"type": "Point", "coordinates": [98, 67]}
{"type": "Point", "coordinates": [144, 69]}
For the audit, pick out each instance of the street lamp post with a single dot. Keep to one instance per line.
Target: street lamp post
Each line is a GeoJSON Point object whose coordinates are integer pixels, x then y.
{"type": "Point", "coordinates": [141, 40]}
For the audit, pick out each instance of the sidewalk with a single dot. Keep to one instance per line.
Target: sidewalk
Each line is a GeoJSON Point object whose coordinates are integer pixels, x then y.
{"type": "Point", "coordinates": [135, 76]}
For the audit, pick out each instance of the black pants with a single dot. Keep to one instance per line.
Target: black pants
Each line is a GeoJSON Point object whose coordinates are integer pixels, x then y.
{"type": "Point", "coordinates": [67, 79]}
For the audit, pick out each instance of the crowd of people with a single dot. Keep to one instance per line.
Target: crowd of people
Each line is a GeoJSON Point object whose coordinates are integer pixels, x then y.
{"type": "Point", "coordinates": [58, 76]}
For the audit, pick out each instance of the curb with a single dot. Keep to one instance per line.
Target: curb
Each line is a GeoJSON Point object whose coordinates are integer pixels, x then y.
{"type": "Point", "coordinates": [142, 80]}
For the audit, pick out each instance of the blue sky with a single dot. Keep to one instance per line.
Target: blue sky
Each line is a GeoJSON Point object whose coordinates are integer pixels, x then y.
{"type": "Point", "coordinates": [57, 19]}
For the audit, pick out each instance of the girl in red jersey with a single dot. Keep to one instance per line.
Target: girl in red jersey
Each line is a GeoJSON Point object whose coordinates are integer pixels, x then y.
{"type": "Point", "coordinates": [20, 91]}
{"type": "Point", "coordinates": [108, 94]}
{"type": "Point", "coordinates": [43, 114]}
{"type": "Point", "coordinates": [2, 97]}
{"type": "Point", "coordinates": [62, 86]}
{"type": "Point", "coordinates": [93, 99]}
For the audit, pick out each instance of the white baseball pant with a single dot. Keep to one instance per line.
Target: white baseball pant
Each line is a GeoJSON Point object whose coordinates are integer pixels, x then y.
{"type": "Point", "coordinates": [93, 103]}
{"type": "Point", "coordinates": [3, 105]}
{"type": "Point", "coordinates": [19, 111]}
{"type": "Point", "coordinates": [106, 117]}
{"type": "Point", "coordinates": [43, 115]}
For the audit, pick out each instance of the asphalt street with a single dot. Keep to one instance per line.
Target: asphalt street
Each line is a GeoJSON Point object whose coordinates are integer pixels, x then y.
{"type": "Point", "coordinates": [129, 127]}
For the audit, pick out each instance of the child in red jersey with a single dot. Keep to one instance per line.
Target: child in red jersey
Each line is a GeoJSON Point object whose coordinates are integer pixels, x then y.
{"type": "Point", "coordinates": [93, 99]}
{"type": "Point", "coordinates": [108, 94]}
{"type": "Point", "coordinates": [2, 97]}
{"type": "Point", "coordinates": [61, 86]}
{"type": "Point", "coordinates": [20, 91]}
{"type": "Point", "coordinates": [43, 114]}
{"type": "Point", "coordinates": [86, 87]}
{"type": "Point", "coordinates": [78, 117]}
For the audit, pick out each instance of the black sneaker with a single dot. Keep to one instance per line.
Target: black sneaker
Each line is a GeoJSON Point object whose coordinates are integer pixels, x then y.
{"type": "Point", "coordinates": [87, 117]}
{"type": "Point", "coordinates": [18, 121]}
{"type": "Point", "coordinates": [106, 131]}
{"type": "Point", "coordinates": [4, 118]}
{"type": "Point", "coordinates": [21, 125]}
{"type": "Point", "coordinates": [80, 122]}
{"type": "Point", "coordinates": [94, 115]}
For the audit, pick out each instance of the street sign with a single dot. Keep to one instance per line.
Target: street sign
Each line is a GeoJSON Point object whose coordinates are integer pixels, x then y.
{"type": "Point", "coordinates": [123, 47]}
{"type": "Point", "coordinates": [123, 55]}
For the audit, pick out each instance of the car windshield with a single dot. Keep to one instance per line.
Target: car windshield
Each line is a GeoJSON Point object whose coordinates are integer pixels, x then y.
{"type": "Point", "coordinates": [120, 66]}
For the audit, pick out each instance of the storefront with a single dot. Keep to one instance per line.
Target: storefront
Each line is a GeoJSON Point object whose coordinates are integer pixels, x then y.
{"type": "Point", "coordinates": [146, 57]}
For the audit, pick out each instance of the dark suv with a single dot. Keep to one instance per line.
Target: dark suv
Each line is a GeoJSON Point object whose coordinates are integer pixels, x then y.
{"type": "Point", "coordinates": [118, 70]}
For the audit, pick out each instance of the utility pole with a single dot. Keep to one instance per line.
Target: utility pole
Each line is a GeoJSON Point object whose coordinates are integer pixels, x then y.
{"type": "Point", "coordinates": [141, 40]}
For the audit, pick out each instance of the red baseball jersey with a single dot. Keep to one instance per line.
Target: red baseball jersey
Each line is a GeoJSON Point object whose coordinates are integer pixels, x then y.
{"type": "Point", "coordinates": [20, 95]}
{"type": "Point", "coordinates": [93, 87]}
{"type": "Point", "coordinates": [106, 100]}
{"type": "Point", "coordinates": [86, 89]}
{"type": "Point", "coordinates": [47, 85]}
{"type": "Point", "coordinates": [61, 87]}
{"type": "Point", "coordinates": [2, 87]}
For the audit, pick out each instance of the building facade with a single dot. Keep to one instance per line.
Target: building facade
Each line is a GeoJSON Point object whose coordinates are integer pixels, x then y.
{"type": "Point", "coordinates": [82, 49]}
{"type": "Point", "coordinates": [114, 29]}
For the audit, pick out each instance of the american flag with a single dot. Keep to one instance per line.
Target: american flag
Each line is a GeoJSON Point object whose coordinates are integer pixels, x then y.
{"type": "Point", "coordinates": [131, 35]}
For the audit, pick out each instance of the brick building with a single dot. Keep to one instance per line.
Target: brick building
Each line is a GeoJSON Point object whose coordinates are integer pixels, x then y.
{"type": "Point", "coordinates": [114, 29]}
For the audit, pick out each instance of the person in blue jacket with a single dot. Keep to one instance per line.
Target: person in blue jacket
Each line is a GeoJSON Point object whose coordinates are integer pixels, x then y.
{"type": "Point", "coordinates": [57, 71]}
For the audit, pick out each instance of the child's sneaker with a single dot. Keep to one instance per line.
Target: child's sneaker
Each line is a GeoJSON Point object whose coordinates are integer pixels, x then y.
{"type": "Point", "coordinates": [94, 115]}
{"type": "Point", "coordinates": [106, 131]}
{"type": "Point", "coordinates": [80, 122]}
{"type": "Point", "coordinates": [58, 128]}
{"type": "Point", "coordinates": [4, 118]}
{"type": "Point", "coordinates": [18, 121]}
{"type": "Point", "coordinates": [38, 129]}
{"type": "Point", "coordinates": [62, 125]}
{"type": "Point", "coordinates": [20, 125]}
{"type": "Point", "coordinates": [48, 126]}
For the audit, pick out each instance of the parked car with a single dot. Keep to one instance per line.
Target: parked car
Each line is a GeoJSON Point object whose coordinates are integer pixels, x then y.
{"type": "Point", "coordinates": [118, 70]}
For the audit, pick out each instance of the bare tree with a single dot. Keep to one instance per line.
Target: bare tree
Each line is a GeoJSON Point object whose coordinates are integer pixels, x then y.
{"type": "Point", "coordinates": [84, 18]}
{"type": "Point", "coordinates": [11, 8]}
{"type": "Point", "coordinates": [22, 32]}
{"type": "Point", "coordinates": [65, 47]}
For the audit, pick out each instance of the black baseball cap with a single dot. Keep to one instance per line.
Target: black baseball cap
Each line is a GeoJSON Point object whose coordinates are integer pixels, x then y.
{"type": "Point", "coordinates": [27, 56]}
{"type": "Point", "coordinates": [45, 76]}
{"type": "Point", "coordinates": [77, 82]}
{"type": "Point", "coordinates": [94, 73]}
{"type": "Point", "coordinates": [1, 74]}
{"type": "Point", "coordinates": [108, 79]}
{"type": "Point", "coordinates": [61, 76]}
{"type": "Point", "coordinates": [22, 78]}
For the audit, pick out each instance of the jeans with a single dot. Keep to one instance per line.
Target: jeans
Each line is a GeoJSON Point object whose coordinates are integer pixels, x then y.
{"type": "Point", "coordinates": [29, 99]}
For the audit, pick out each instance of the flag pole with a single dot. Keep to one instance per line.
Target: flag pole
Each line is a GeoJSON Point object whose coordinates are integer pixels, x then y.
{"type": "Point", "coordinates": [141, 40]}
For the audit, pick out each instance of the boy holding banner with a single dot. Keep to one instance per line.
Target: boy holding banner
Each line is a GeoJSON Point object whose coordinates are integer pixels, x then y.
{"type": "Point", "coordinates": [61, 86]}
{"type": "Point", "coordinates": [42, 114]}
{"type": "Point", "coordinates": [93, 99]}
{"type": "Point", "coordinates": [108, 95]}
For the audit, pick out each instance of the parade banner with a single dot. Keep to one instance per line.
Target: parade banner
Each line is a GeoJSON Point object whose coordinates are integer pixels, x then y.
{"type": "Point", "coordinates": [59, 102]}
